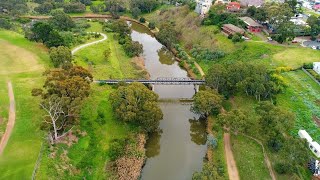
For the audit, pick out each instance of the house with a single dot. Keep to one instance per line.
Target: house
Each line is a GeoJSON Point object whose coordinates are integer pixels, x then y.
{"type": "Point", "coordinates": [233, 6]}
{"type": "Point", "coordinates": [316, 7]}
{"type": "Point", "coordinates": [252, 25]}
{"type": "Point", "coordinates": [222, 2]}
{"type": "Point", "coordinates": [315, 148]}
{"type": "Point", "coordinates": [304, 135]}
{"type": "Point", "coordinates": [231, 29]}
{"type": "Point", "coordinates": [248, 3]}
{"type": "Point", "coordinates": [313, 145]}
{"type": "Point", "coordinates": [316, 67]}
{"type": "Point", "coordinates": [203, 6]}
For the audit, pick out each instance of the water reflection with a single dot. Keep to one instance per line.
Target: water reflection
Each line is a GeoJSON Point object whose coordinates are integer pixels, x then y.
{"type": "Point", "coordinates": [154, 144]}
{"type": "Point", "coordinates": [197, 133]}
{"type": "Point", "coordinates": [165, 56]}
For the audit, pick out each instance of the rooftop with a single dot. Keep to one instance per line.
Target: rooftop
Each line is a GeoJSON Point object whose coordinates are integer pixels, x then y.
{"type": "Point", "coordinates": [250, 22]}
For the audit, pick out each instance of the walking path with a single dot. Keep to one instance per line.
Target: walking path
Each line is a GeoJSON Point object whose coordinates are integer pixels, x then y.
{"type": "Point", "coordinates": [231, 163]}
{"type": "Point", "coordinates": [266, 159]}
{"type": "Point", "coordinates": [11, 120]}
{"type": "Point", "coordinates": [90, 44]}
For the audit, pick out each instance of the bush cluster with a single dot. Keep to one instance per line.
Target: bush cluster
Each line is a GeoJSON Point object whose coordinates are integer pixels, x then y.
{"type": "Point", "coordinates": [205, 54]}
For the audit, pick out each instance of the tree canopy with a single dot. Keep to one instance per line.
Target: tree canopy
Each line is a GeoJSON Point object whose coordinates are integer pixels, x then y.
{"type": "Point", "coordinates": [206, 102]}
{"type": "Point", "coordinates": [60, 55]}
{"type": "Point", "coordinates": [136, 104]}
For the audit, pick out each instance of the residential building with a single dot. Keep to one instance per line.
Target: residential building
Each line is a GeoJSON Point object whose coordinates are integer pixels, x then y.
{"type": "Point", "coordinates": [313, 145]}
{"type": "Point", "coordinates": [248, 3]}
{"type": "Point", "coordinates": [203, 6]}
{"type": "Point", "coordinates": [231, 29]}
{"type": "Point", "coordinates": [316, 67]}
{"type": "Point", "coordinates": [252, 25]}
{"type": "Point", "coordinates": [233, 6]}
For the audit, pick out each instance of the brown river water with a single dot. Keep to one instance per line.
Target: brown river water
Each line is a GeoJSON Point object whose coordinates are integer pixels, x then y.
{"type": "Point", "coordinates": [178, 150]}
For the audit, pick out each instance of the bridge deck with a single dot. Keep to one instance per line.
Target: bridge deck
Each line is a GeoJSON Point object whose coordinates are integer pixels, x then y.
{"type": "Point", "coordinates": [173, 81]}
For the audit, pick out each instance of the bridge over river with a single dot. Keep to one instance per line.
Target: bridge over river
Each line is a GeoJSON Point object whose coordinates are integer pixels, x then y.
{"type": "Point", "coordinates": [158, 81]}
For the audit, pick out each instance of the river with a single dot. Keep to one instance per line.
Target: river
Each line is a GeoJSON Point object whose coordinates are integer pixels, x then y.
{"type": "Point", "coordinates": [178, 150]}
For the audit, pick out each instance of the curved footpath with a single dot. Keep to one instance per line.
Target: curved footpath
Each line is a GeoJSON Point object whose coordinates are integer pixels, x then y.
{"type": "Point", "coordinates": [90, 44]}
{"type": "Point", "coordinates": [11, 120]}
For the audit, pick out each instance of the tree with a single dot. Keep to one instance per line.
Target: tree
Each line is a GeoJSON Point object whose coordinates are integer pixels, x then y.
{"type": "Point", "coordinates": [60, 55]}
{"type": "Point", "coordinates": [61, 98]}
{"type": "Point", "coordinates": [133, 48]}
{"type": "Point", "coordinates": [217, 77]}
{"type": "Point", "coordinates": [206, 103]}
{"type": "Point", "coordinates": [136, 12]}
{"type": "Point", "coordinates": [168, 35]}
{"type": "Point", "coordinates": [75, 7]}
{"type": "Point", "coordinates": [136, 104]}
{"type": "Point", "coordinates": [292, 4]}
{"type": "Point", "coordinates": [44, 8]}
{"type": "Point", "coordinates": [115, 6]}
{"type": "Point", "coordinates": [146, 6]}
{"type": "Point", "coordinates": [285, 32]}
{"type": "Point", "coordinates": [236, 120]}
{"type": "Point", "coordinates": [314, 23]}
{"type": "Point", "coordinates": [86, 2]}
{"type": "Point", "coordinates": [251, 11]}
{"type": "Point", "coordinates": [43, 32]}
{"type": "Point", "coordinates": [61, 21]}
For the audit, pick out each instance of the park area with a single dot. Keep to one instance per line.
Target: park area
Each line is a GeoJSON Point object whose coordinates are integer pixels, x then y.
{"type": "Point", "coordinates": [22, 63]}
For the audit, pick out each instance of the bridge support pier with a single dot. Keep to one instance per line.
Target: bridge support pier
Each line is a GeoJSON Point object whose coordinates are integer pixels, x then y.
{"type": "Point", "coordinates": [196, 88]}
{"type": "Point", "coordinates": [152, 87]}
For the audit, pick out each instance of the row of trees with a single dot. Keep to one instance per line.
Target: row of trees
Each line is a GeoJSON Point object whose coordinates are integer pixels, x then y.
{"type": "Point", "coordinates": [131, 48]}
{"type": "Point", "coordinates": [46, 6]}
{"type": "Point", "coordinates": [249, 78]}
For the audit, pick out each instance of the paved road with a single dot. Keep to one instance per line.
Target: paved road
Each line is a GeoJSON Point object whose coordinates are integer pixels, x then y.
{"type": "Point", "coordinates": [231, 163]}
{"type": "Point", "coordinates": [11, 120]}
{"type": "Point", "coordinates": [89, 44]}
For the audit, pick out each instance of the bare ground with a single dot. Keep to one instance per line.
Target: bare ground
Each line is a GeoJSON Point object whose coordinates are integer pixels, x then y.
{"type": "Point", "coordinates": [11, 119]}
{"type": "Point", "coordinates": [231, 163]}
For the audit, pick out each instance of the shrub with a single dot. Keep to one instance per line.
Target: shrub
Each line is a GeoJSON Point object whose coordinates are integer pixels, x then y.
{"type": "Point", "coordinates": [237, 38]}
{"type": "Point", "coordinates": [142, 20]}
{"type": "Point", "coordinates": [283, 168]}
{"type": "Point", "coordinates": [152, 25]}
{"type": "Point", "coordinates": [5, 23]}
{"type": "Point", "coordinates": [283, 69]}
{"type": "Point", "coordinates": [76, 7]}
{"type": "Point", "coordinates": [308, 65]}
{"type": "Point", "coordinates": [117, 149]}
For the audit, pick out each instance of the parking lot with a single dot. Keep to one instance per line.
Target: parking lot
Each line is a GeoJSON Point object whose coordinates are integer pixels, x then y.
{"type": "Point", "coordinates": [311, 44]}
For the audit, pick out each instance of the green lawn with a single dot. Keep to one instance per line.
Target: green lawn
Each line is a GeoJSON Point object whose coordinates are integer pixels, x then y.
{"type": "Point", "coordinates": [118, 65]}
{"type": "Point", "coordinates": [24, 64]}
{"type": "Point", "coordinates": [249, 158]}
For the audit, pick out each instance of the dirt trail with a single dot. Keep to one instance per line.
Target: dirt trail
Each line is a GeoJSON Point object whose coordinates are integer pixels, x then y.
{"type": "Point", "coordinates": [90, 44]}
{"type": "Point", "coordinates": [11, 120]}
{"type": "Point", "coordinates": [266, 159]}
{"type": "Point", "coordinates": [231, 163]}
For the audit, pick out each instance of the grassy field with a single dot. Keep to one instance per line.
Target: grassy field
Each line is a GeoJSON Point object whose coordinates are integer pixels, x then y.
{"type": "Point", "coordinates": [302, 97]}
{"type": "Point", "coordinates": [118, 65]}
{"type": "Point", "coordinates": [249, 157]}
{"type": "Point", "coordinates": [23, 63]}
{"type": "Point", "coordinates": [88, 156]}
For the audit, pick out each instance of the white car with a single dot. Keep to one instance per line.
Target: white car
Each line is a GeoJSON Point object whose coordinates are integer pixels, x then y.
{"type": "Point", "coordinates": [314, 47]}
{"type": "Point", "coordinates": [269, 38]}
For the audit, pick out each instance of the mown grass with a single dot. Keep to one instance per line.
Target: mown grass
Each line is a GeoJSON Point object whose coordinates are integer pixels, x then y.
{"type": "Point", "coordinates": [20, 154]}
{"type": "Point", "coordinates": [117, 65]}
{"type": "Point", "coordinates": [249, 157]}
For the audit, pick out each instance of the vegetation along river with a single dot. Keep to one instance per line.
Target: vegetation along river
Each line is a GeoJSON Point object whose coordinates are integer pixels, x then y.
{"type": "Point", "coordinates": [179, 149]}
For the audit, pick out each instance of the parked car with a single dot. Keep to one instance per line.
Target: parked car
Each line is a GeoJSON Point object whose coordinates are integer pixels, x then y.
{"type": "Point", "coordinates": [318, 40]}
{"type": "Point", "coordinates": [294, 41]}
{"type": "Point", "coordinates": [314, 47]}
{"type": "Point", "coordinates": [269, 38]}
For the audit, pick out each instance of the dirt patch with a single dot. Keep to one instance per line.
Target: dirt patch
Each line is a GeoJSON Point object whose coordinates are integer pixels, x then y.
{"type": "Point", "coordinates": [129, 167]}
{"type": "Point", "coordinates": [231, 163]}
{"type": "Point", "coordinates": [68, 139]}
{"type": "Point", "coordinates": [15, 59]}
{"type": "Point", "coordinates": [139, 64]}
{"type": "Point", "coordinates": [316, 120]}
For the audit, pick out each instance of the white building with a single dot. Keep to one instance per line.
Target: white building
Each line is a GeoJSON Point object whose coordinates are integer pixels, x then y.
{"type": "Point", "coordinates": [314, 146]}
{"type": "Point", "coordinates": [316, 67]}
{"type": "Point", "coordinates": [304, 135]}
{"type": "Point", "coordinates": [203, 6]}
